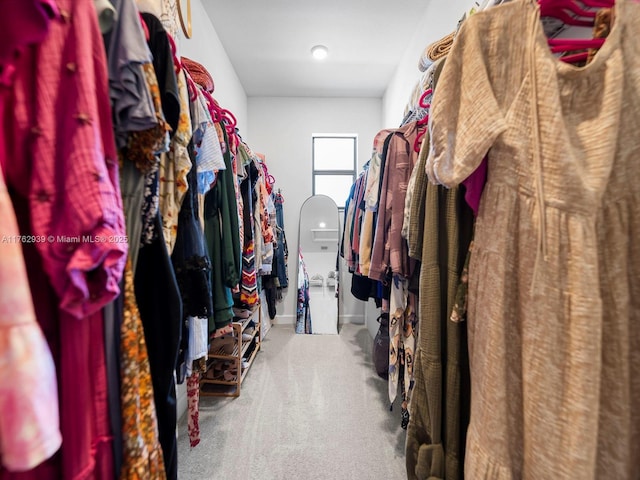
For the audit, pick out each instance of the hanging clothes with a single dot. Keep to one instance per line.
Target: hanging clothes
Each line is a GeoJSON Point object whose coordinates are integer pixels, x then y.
{"type": "Point", "coordinates": [142, 452]}
{"type": "Point", "coordinates": [439, 410]}
{"type": "Point", "coordinates": [30, 430]}
{"type": "Point", "coordinates": [127, 51]}
{"type": "Point", "coordinates": [161, 318]}
{"type": "Point", "coordinates": [389, 250]}
{"type": "Point", "coordinates": [440, 229]}
{"type": "Point", "coordinates": [174, 167]}
{"type": "Point", "coordinates": [554, 258]}
{"type": "Point", "coordinates": [248, 296]}
{"type": "Point", "coordinates": [371, 200]}
{"type": "Point", "coordinates": [282, 252]}
{"type": "Point", "coordinates": [278, 279]}
{"type": "Point", "coordinates": [160, 306]}
{"type": "Point", "coordinates": [85, 201]}
{"type": "Point", "coordinates": [193, 273]}
{"type": "Point", "coordinates": [149, 144]}
{"type": "Point", "coordinates": [223, 243]}
{"type": "Point", "coordinates": [303, 319]}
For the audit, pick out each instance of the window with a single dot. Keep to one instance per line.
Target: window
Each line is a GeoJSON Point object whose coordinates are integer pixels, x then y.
{"type": "Point", "coordinates": [334, 165]}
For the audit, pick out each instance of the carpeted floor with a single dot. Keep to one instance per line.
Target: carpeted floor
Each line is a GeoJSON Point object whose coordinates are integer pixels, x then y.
{"type": "Point", "coordinates": [311, 408]}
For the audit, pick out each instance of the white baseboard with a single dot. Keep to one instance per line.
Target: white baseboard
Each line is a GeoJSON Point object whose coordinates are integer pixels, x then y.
{"type": "Point", "coordinates": [284, 320]}
{"type": "Point", "coordinates": [291, 320]}
{"type": "Point", "coordinates": [355, 319]}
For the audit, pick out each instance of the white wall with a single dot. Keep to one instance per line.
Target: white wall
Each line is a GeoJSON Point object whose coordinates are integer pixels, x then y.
{"type": "Point", "coordinates": [205, 47]}
{"type": "Point", "coordinates": [439, 19]}
{"type": "Point", "coordinates": [281, 128]}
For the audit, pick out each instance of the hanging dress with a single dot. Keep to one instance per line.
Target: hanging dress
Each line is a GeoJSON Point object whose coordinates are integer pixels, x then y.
{"type": "Point", "coordinates": [554, 279]}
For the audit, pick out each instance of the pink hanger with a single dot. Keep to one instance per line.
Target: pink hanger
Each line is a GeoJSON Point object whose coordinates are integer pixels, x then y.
{"type": "Point", "coordinates": [423, 97]}
{"type": "Point", "coordinates": [176, 61]}
{"type": "Point", "coordinates": [598, 3]}
{"type": "Point", "coordinates": [193, 89]}
{"type": "Point", "coordinates": [229, 117]}
{"type": "Point", "coordinates": [550, 7]}
{"type": "Point", "coordinates": [422, 123]}
{"type": "Point", "coordinates": [214, 109]}
{"type": "Point", "coordinates": [417, 144]}
{"type": "Point", "coordinates": [575, 58]}
{"type": "Point", "coordinates": [268, 177]}
{"type": "Point", "coordinates": [558, 9]}
{"type": "Point", "coordinates": [568, 44]}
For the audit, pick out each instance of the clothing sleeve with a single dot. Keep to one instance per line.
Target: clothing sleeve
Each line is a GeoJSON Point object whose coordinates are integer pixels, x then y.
{"type": "Point", "coordinates": [465, 117]}
{"type": "Point", "coordinates": [29, 424]}
{"type": "Point", "coordinates": [127, 49]}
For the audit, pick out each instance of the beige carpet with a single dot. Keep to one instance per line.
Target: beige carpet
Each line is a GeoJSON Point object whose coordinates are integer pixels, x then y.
{"type": "Point", "coordinates": [311, 408]}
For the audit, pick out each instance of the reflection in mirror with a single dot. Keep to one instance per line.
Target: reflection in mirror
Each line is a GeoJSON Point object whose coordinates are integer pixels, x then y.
{"type": "Point", "coordinates": [318, 234]}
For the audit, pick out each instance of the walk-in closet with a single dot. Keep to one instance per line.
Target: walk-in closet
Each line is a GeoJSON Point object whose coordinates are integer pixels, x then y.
{"type": "Point", "coordinates": [337, 240]}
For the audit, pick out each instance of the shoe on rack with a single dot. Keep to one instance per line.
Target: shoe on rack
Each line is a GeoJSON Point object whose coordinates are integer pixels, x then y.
{"type": "Point", "coordinates": [231, 374]}
{"type": "Point", "coordinates": [241, 313]}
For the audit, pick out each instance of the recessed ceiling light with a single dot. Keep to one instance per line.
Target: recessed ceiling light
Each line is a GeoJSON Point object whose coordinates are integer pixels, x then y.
{"type": "Point", "coordinates": [319, 52]}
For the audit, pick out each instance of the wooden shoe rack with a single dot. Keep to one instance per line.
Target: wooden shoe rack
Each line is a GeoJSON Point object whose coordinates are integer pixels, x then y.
{"type": "Point", "coordinates": [225, 374]}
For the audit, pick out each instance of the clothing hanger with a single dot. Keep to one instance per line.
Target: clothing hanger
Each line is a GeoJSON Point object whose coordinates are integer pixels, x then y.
{"type": "Point", "coordinates": [598, 3]}
{"type": "Point", "coordinates": [559, 45]}
{"type": "Point", "coordinates": [567, 19]}
{"type": "Point", "coordinates": [229, 118]}
{"type": "Point", "coordinates": [575, 57]}
{"type": "Point", "coordinates": [267, 176]}
{"type": "Point", "coordinates": [421, 102]}
{"type": "Point", "coordinates": [422, 123]}
{"type": "Point", "coordinates": [214, 109]}
{"type": "Point", "coordinates": [417, 144]}
{"type": "Point", "coordinates": [559, 9]}
{"type": "Point", "coordinates": [548, 8]}
{"type": "Point", "coordinates": [229, 121]}
{"type": "Point", "coordinates": [177, 63]}
{"type": "Point", "coordinates": [191, 86]}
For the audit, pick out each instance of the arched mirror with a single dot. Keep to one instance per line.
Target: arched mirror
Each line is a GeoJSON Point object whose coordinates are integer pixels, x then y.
{"type": "Point", "coordinates": [318, 234]}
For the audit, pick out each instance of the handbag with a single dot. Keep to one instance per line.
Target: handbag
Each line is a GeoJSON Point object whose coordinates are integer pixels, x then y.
{"type": "Point", "coordinates": [380, 352]}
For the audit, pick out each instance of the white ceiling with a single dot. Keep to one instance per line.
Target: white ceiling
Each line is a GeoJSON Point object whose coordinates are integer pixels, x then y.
{"type": "Point", "coordinates": [269, 43]}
